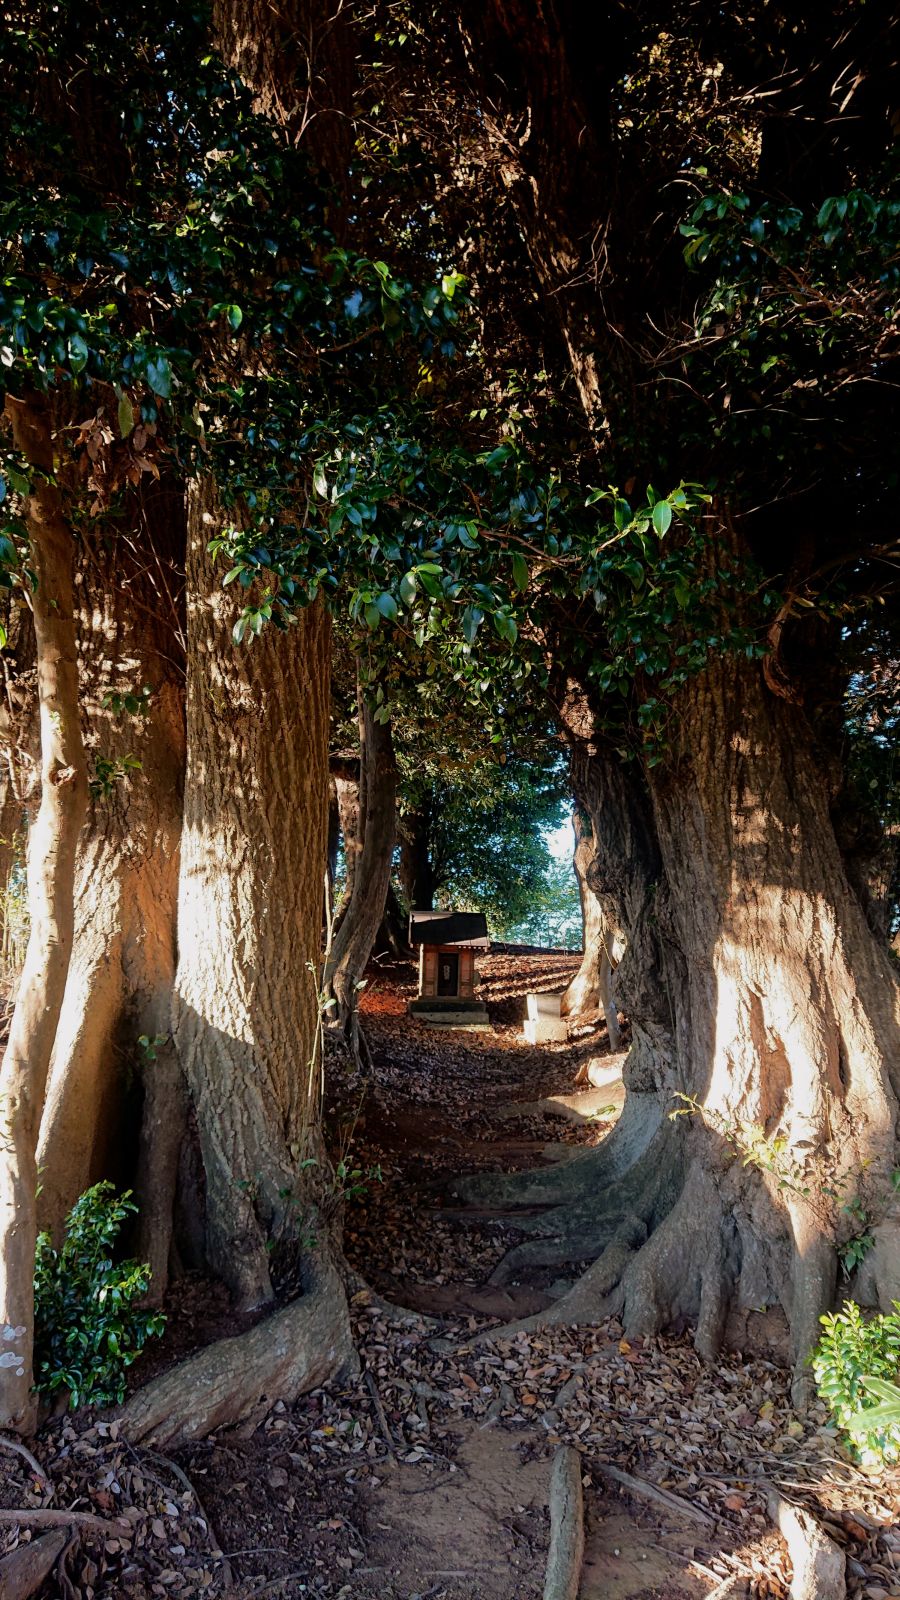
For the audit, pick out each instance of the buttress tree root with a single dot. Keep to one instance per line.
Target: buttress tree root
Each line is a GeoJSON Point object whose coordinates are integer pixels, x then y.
{"type": "Point", "coordinates": [301, 1347]}
{"type": "Point", "coordinates": [781, 1053]}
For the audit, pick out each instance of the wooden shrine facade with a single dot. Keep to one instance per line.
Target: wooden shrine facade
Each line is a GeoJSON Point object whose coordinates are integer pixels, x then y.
{"type": "Point", "coordinates": [447, 942]}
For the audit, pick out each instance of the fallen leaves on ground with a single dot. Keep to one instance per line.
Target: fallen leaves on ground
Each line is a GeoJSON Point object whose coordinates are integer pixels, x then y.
{"type": "Point", "coordinates": [288, 1494]}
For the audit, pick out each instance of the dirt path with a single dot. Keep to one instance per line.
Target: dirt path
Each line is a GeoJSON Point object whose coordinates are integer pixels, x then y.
{"type": "Point", "coordinates": [427, 1478]}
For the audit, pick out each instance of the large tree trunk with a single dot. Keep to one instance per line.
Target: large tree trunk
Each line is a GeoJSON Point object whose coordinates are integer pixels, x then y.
{"type": "Point", "coordinates": [249, 918]}
{"type": "Point", "coordinates": [391, 939]}
{"type": "Point", "coordinates": [119, 986]}
{"type": "Point", "coordinates": [785, 1053]}
{"type": "Point", "coordinates": [416, 870]}
{"type": "Point", "coordinates": [592, 985]}
{"type": "Point", "coordinates": [355, 937]}
{"type": "Point", "coordinates": [51, 875]}
{"type": "Point", "coordinates": [345, 775]}
{"type": "Point", "coordinates": [754, 985]}
{"type": "Point", "coordinates": [788, 1021]}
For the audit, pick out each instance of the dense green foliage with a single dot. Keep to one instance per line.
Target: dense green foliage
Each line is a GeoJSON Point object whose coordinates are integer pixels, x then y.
{"type": "Point", "coordinates": [171, 267]}
{"type": "Point", "coordinates": [485, 828]}
{"type": "Point", "coordinates": [169, 277]}
{"type": "Point", "coordinates": [852, 1351]}
{"type": "Point", "coordinates": [89, 1324]}
{"type": "Point", "coordinates": [553, 917]}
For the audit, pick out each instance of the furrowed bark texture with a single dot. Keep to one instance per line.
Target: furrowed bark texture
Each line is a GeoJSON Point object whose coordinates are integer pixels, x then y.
{"type": "Point", "coordinates": [249, 914]}
{"type": "Point", "coordinates": [51, 874]}
{"type": "Point", "coordinates": [299, 1348]}
{"type": "Point", "coordinates": [120, 977]}
{"type": "Point", "coordinates": [592, 985]}
{"type": "Point", "coordinates": [788, 1020]}
{"type": "Point", "coordinates": [416, 870]}
{"type": "Point", "coordinates": [355, 937]}
{"type": "Point", "coordinates": [785, 1029]}
{"type": "Point", "coordinates": [345, 776]}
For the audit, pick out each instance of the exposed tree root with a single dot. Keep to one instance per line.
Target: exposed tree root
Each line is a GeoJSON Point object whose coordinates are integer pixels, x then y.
{"type": "Point", "coordinates": [667, 1244]}
{"type": "Point", "coordinates": [566, 1555]}
{"type": "Point", "coordinates": [819, 1566]}
{"type": "Point", "coordinates": [43, 1517]}
{"type": "Point", "coordinates": [639, 1131]}
{"type": "Point", "coordinates": [23, 1571]}
{"type": "Point", "coordinates": [645, 1490]}
{"type": "Point", "coordinates": [595, 1208]}
{"type": "Point", "coordinates": [296, 1349]}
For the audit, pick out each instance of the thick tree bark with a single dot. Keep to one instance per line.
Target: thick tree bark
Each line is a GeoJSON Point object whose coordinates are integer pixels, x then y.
{"type": "Point", "coordinates": [119, 986]}
{"type": "Point", "coordinates": [785, 1048]}
{"type": "Point", "coordinates": [345, 775]}
{"type": "Point", "coordinates": [390, 938]}
{"type": "Point", "coordinates": [355, 937]}
{"type": "Point", "coordinates": [416, 870]}
{"type": "Point", "coordinates": [51, 875]}
{"type": "Point", "coordinates": [249, 917]}
{"type": "Point", "coordinates": [788, 1021]}
{"type": "Point", "coordinates": [592, 985]}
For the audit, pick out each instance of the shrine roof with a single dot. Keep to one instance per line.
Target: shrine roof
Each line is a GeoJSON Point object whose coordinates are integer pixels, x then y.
{"type": "Point", "coordinates": [449, 927]}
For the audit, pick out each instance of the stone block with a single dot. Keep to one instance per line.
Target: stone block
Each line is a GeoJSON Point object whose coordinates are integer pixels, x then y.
{"type": "Point", "coordinates": [546, 1030]}
{"type": "Point", "coordinates": [543, 1005]}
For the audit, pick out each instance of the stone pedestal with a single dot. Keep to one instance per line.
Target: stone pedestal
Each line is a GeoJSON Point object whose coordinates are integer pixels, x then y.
{"type": "Point", "coordinates": [544, 1025]}
{"type": "Point", "coordinates": [450, 1012]}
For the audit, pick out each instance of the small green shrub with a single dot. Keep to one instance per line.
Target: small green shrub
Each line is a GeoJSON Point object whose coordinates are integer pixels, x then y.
{"type": "Point", "coordinates": [858, 1359]}
{"type": "Point", "coordinates": [87, 1327]}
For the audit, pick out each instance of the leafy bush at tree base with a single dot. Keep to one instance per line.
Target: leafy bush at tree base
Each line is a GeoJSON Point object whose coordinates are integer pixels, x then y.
{"type": "Point", "coordinates": [88, 1327]}
{"type": "Point", "coordinates": [854, 1361]}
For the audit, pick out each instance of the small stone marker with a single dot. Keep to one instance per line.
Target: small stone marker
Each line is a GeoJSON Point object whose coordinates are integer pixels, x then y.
{"type": "Point", "coordinates": [544, 1025]}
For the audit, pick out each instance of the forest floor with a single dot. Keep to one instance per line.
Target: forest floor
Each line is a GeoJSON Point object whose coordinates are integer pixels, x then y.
{"type": "Point", "coordinates": [427, 1477]}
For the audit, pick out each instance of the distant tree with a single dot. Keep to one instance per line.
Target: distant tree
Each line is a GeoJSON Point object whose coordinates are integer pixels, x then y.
{"type": "Point", "coordinates": [480, 835]}
{"type": "Point", "coordinates": [554, 917]}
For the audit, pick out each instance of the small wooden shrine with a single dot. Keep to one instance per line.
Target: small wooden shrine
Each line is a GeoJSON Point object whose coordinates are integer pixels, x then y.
{"type": "Point", "coordinates": [447, 942]}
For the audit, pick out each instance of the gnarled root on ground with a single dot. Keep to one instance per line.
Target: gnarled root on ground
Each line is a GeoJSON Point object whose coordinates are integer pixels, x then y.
{"type": "Point", "coordinates": [679, 1239]}
{"type": "Point", "coordinates": [640, 1126]}
{"type": "Point", "coordinates": [818, 1564]}
{"type": "Point", "coordinates": [26, 1569]}
{"type": "Point", "coordinates": [290, 1352]}
{"type": "Point", "coordinates": [564, 1561]}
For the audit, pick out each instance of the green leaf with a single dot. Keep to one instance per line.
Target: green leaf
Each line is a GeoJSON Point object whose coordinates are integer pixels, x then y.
{"type": "Point", "coordinates": [408, 588]}
{"type": "Point", "coordinates": [520, 571]}
{"type": "Point", "coordinates": [662, 517]}
{"type": "Point", "coordinates": [320, 482]}
{"type": "Point", "coordinates": [78, 352]}
{"type": "Point", "coordinates": [472, 619]}
{"type": "Point", "coordinates": [387, 605]}
{"type": "Point", "coordinates": [159, 376]}
{"type": "Point", "coordinates": [125, 416]}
